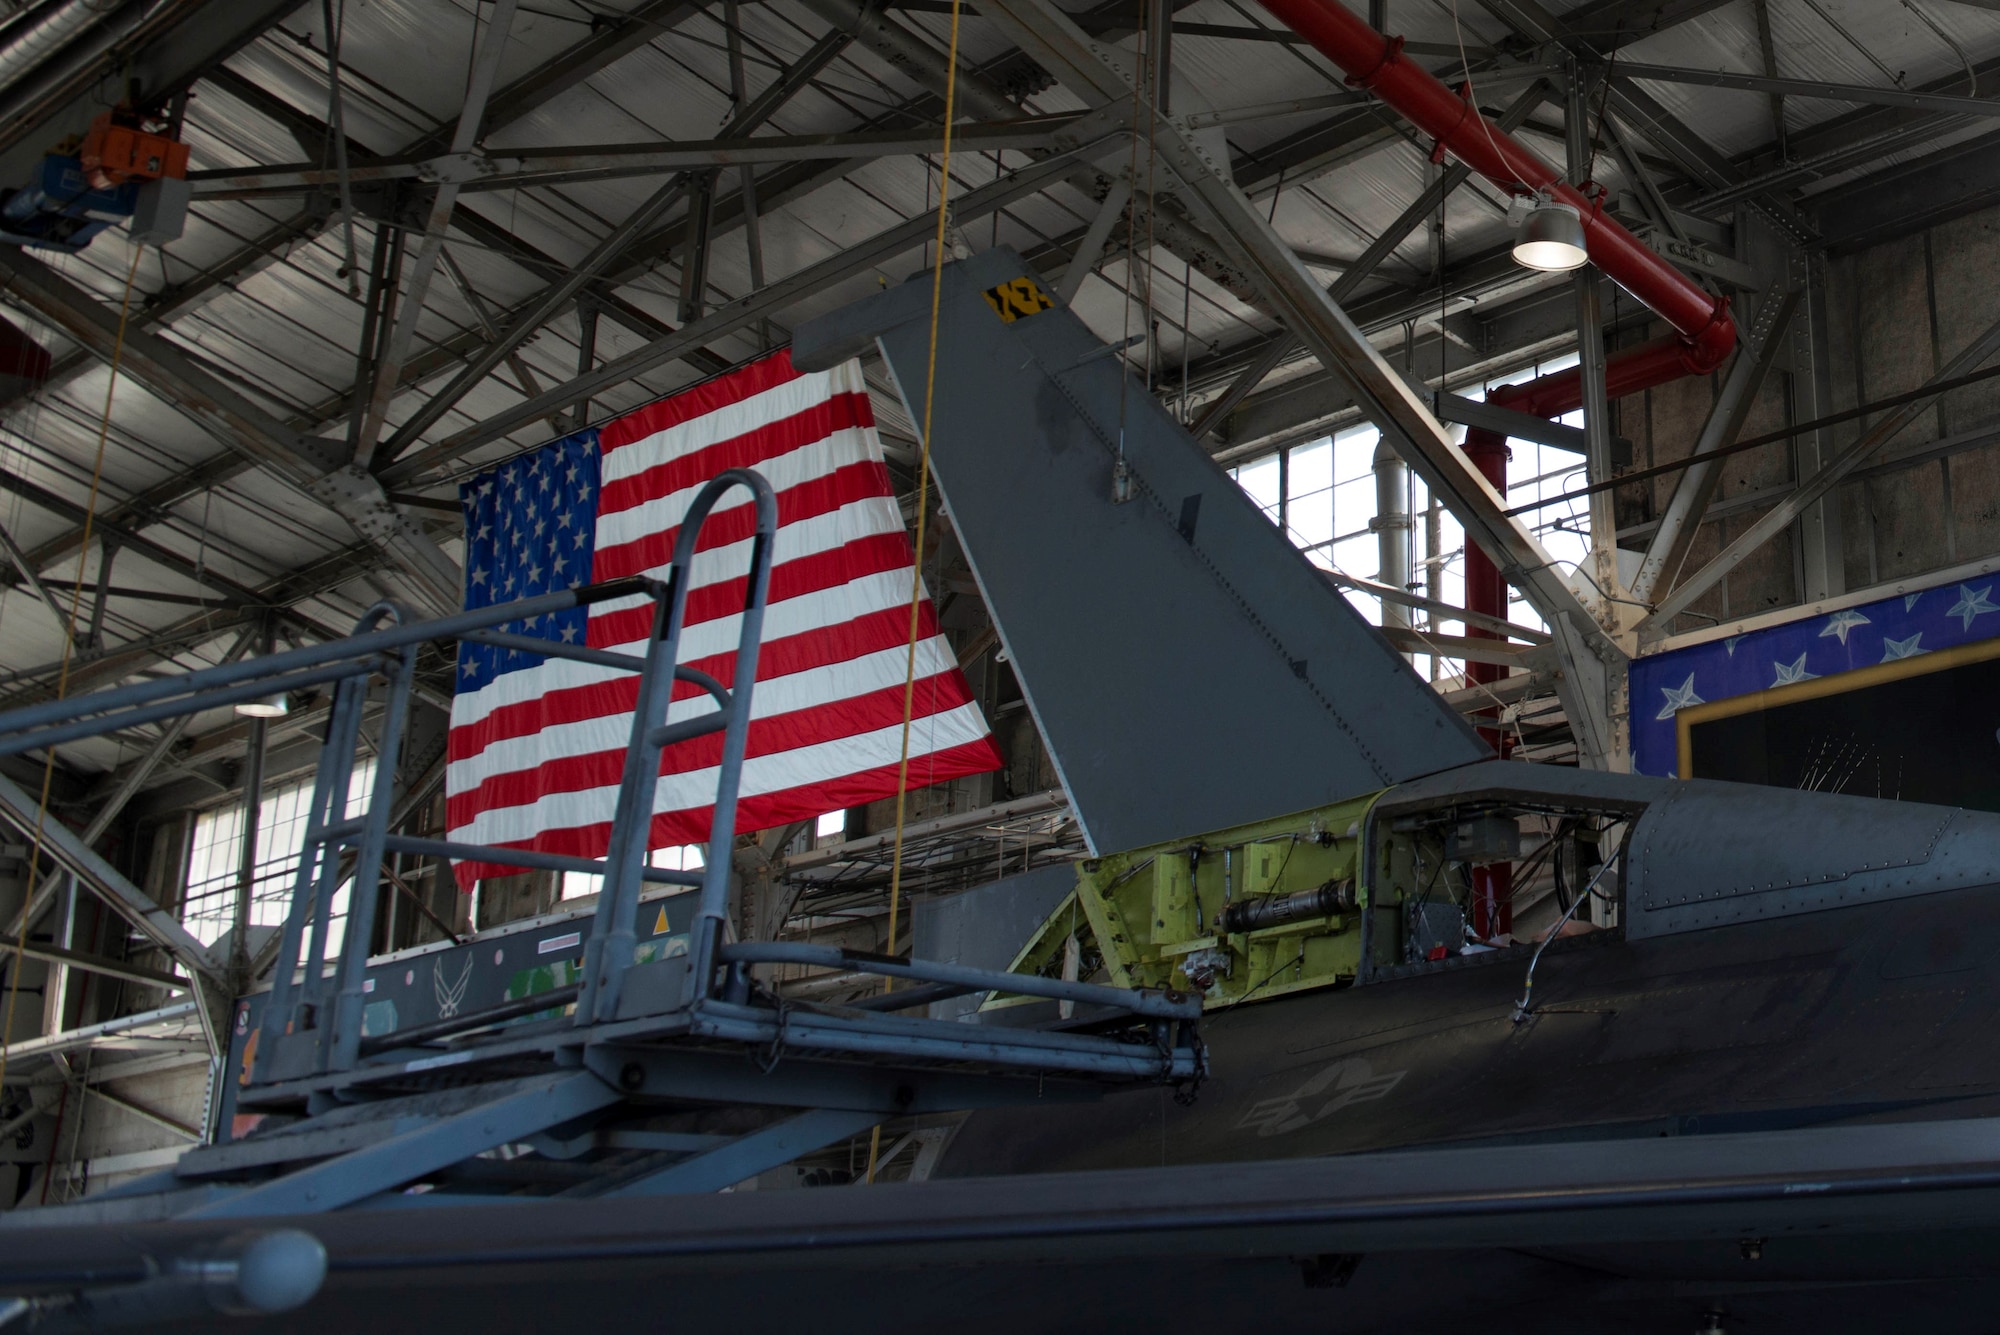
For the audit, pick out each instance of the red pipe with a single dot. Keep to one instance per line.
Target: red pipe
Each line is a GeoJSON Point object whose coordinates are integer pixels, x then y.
{"type": "Point", "coordinates": [1377, 63]}
{"type": "Point", "coordinates": [1486, 591]}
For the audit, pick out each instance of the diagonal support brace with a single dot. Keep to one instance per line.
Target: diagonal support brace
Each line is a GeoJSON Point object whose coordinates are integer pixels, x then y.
{"type": "Point", "coordinates": [749, 1155]}
{"type": "Point", "coordinates": [389, 1164]}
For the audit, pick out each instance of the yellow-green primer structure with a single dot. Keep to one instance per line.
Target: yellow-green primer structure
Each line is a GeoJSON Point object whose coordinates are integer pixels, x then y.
{"type": "Point", "coordinates": [1162, 917]}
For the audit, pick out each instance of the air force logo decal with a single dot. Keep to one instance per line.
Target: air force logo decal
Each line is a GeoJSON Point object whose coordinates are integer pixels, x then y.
{"type": "Point", "coordinates": [1342, 1085]}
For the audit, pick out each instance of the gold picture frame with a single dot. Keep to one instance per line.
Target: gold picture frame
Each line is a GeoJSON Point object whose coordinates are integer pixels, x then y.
{"type": "Point", "coordinates": [1837, 683]}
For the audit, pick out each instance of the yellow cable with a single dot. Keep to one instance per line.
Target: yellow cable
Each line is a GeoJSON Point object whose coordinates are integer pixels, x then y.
{"type": "Point", "coordinates": [69, 646]}
{"type": "Point", "coordinates": [923, 504]}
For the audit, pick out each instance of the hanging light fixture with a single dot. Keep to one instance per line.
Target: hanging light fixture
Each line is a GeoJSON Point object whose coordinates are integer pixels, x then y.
{"type": "Point", "coordinates": [275, 705]}
{"type": "Point", "coordinates": [1551, 238]}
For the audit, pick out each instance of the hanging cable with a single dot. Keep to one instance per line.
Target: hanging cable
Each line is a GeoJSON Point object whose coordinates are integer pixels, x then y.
{"type": "Point", "coordinates": [1971, 74]}
{"type": "Point", "coordinates": [923, 505]}
{"type": "Point", "coordinates": [69, 648]}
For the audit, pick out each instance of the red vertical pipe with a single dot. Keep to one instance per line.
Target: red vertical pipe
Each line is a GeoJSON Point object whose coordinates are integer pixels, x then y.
{"type": "Point", "coordinates": [1486, 591]}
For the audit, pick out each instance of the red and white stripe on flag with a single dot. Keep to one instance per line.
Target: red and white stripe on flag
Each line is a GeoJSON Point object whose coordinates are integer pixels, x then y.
{"type": "Point", "coordinates": [535, 754]}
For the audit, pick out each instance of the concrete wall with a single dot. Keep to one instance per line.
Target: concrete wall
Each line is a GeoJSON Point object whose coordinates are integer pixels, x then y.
{"type": "Point", "coordinates": [1929, 499]}
{"type": "Point", "coordinates": [1662, 424]}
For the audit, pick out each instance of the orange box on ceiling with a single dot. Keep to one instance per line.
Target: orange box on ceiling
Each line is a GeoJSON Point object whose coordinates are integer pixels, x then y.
{"type": "Point", "coordinates": [113, 154]}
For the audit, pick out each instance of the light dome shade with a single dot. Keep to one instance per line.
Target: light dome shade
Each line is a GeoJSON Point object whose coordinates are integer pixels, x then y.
{"type": "Point", "coordinates": [269, 706]}
{"type": "Point", "coordinates": [1551, 239]}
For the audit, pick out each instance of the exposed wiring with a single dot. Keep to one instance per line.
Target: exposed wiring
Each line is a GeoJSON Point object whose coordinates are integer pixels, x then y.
{"type": "Point", "coordinates": [1531, 867]}
{"type": "Point", "coordinates": [1288, 964]}
{"type": "Point", "coordinates": [1971, 74]}
{"type": "Point", "coordinates": [1472, 93]}
{"type": "Point", "coordinates": [1603, 111]}
{"type": "Point", "coordinates": [1521, 1011]}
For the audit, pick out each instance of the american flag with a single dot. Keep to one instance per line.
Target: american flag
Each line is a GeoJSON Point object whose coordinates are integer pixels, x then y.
{"type": "Point", "coordinates": [537, 744]}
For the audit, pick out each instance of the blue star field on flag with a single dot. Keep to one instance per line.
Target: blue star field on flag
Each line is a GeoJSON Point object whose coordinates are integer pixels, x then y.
{"type": "Point", "coordinates": [1904, 625]}
{"type": "Point", "coordinates": [530, 528]}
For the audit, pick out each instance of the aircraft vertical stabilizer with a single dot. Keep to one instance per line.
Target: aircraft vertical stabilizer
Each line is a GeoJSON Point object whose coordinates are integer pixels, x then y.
{"type": "Point", "coordinates": [1189, 668]}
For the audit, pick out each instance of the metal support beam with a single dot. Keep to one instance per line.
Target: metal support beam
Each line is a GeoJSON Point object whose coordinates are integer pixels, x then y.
{"type": "Point", "coordinates": [1583, 35]}
{"type": "Point", "coordinates": [378, 313]}
{"type": "Point", "coordinates": [303, 462]}
{"type": "Point", "coordinates": [525, 379]}
{"type": "Point", "coordinates": [34, 582]}
{"type": "Point", "coordinates": [1091, 249]}
{"type": "Point", "coordinates": [1590, 356]}
{"type": "Point", "coordinates": [1651, 198]}
{"type": "Point", "coordinates": [1439, 611]}
{"type": "Point", "coordinates": [1057, 44]}
{"type": "Point", "coordinates": [753, 307]}
{"type": "Point", "coordinates": [246, 856]}
{"type": "Point", "coordinates": [225, 589]}
{"type": "Point", "coordinates": [472, 173]}
{"type": "Point", "coordinates": [1822, 552]}
{"type": "Point", "coordinates": [95, 964]}
{"type": "Point", "coordinates": [1682, 516]}
{"type": "Point", "coordinates": [1780, 516]}
{"type": "Point", "coordinates": [86, 1035]}
{"type": "Point", "coordinates": [1511, 422]}
{"type": "Point", "coordinates": [694, 250]}
{"type": "Point", "coordinates": [1769, 50]}
{"type": "Point", "coordinates": [746, 176]}
{"type": "Point", "coordinates": [62, 845]}
{"type": "Point", "coordinates": [388, 371]}
{"type": "Point", "coordinates": [1465, 649]}
{"type": "Point", "coordinates": [92, 636]}
{"type": "Point", "coordinates": [749, 1155]}
{"type": "Point", "coordinates": [586, 357]}
{"type": "Point", "coordinates": [1420, 211]}
{"type": "Point", "coordinates": [128, 788]}
{"type": "Point", "coordinates": [536, 1105]}
{"type": "Point", "coordinates": [612, 38]}
{"type": "Point", "coordinates": [141, 1111]}
{"type": "Point", "coordinates": [1942, 103]}
{"type": "Point", "coordinates": [613, 249]}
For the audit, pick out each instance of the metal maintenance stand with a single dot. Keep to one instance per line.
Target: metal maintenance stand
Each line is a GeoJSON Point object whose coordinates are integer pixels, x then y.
{"type": "Point", "coordinates": [465, 1105]}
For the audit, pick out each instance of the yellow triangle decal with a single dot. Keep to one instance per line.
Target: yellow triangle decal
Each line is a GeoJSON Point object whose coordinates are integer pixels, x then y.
{"type": "Point", "coordinates": [660, 924]}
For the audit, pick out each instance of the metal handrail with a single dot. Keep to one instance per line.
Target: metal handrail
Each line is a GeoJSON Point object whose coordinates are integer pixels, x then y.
{"type": "Point", "coordinates": [362, 644]}
{"type": "Point", "coordinates": [613, 942]}
{"type": "Point", "coordinates": [312, 1001]}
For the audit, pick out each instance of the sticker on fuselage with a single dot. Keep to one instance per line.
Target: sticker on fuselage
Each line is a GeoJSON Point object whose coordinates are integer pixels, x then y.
{"type": "Point", "coordinates": [1345, 1083]}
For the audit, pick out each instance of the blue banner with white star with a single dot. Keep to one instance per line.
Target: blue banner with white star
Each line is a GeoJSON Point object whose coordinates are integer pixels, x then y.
{"type": "Point", "coordinates": [1902, 626]}
{"type": "Point", "coordinates": [530, 528]}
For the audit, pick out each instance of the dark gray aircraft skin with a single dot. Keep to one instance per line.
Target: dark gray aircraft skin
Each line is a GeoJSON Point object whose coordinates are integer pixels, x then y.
{"type": "Point", "coordinates": [1783, 958]}
{"type": "Point", "coordinates": [1878, 1012]}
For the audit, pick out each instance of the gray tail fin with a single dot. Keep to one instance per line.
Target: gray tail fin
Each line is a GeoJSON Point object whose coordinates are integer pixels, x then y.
{"type": "Point", "coordinates": [1188, 667]}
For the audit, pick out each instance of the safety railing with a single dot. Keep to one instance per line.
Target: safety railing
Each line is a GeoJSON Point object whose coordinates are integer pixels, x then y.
{"type": "Point", "coordinates": [313, 1021]}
